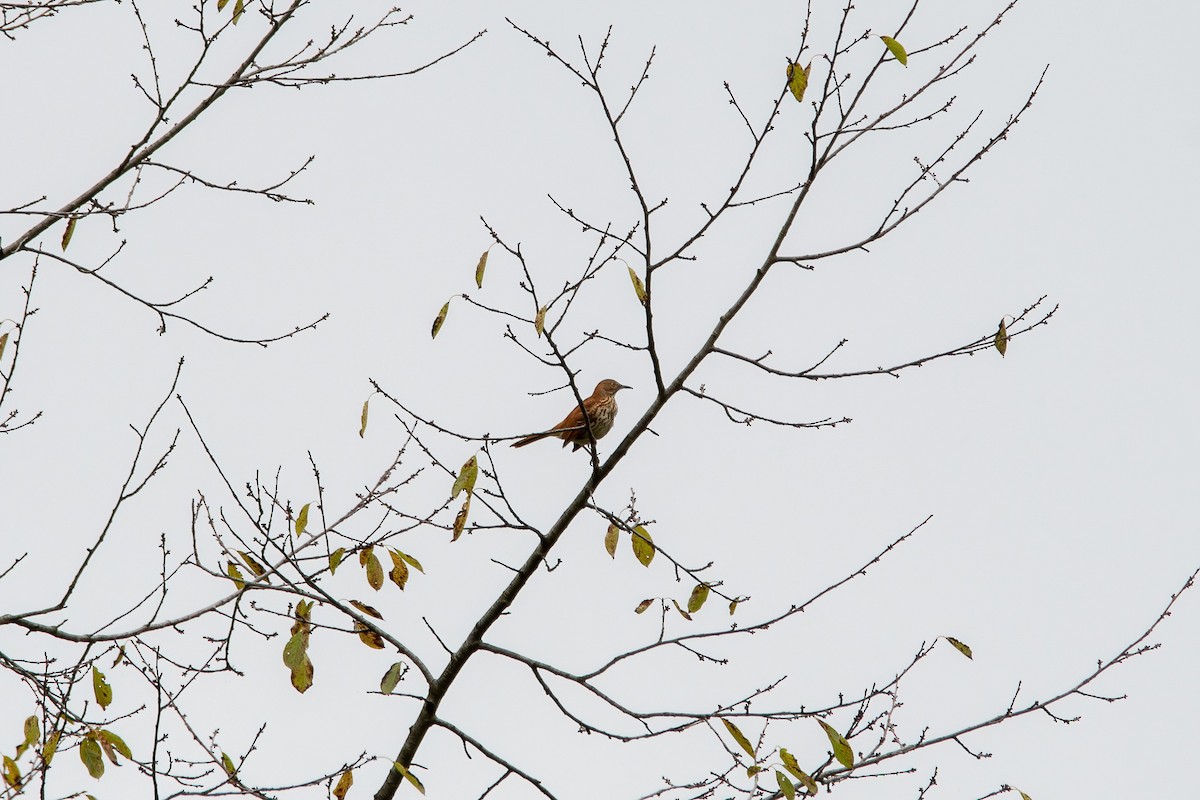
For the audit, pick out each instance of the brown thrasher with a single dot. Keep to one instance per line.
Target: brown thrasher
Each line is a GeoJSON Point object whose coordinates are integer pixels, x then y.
{"type": "Point", "coordinates": [601, 410]}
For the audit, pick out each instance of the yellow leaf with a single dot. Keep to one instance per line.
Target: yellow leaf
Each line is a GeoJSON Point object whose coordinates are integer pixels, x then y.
{"type": "Point", "coordinates": [896, 49]}
{"type": "Point", "coordinates": [733, 604]}
{"type": "Point", "coordinates": [221, 4]}
{"type": "Point", "coordinates": [238, 8]}
{"type": "Point", "coordinates": [103, 692]}
{"type": "Point", "coordinates": [120, 655]}
{"type": "Point", "coordinates": [479, 268]}
{"type": "Point", "coordinates": [460, 519]}
{"type": "Point", "coordinates": [89, 754]}
{"type": "Point", "coordinates": [412, 562]}
{"type": "Point", "coordinates": [466, 478]}
{"type": "Point", "coordinates": [798, 79]}
{"type": "Point", "coordinates": [392, 677]}
{"type": "Point", "coordinates": [69, 232]}
{"type": "Point", "coordinates": [258, 569]}
{"type": "Point", "coordinates": [370, 611]}
{"type": "Point", "coordinates": [440, 318]}
{"type": "Point", "coordinates": [643, 545]}
{"type": "Point", "coordinates": [369, 636]}
{"type": "Point", "coordinates": [3, 342]}
{"type": "Point", "coordinates": [370, 561]}
{"type": "Point", "coordinates": [302, 519]}
{"type": "Point", "coordinates": [789, 762]}
{"type": "Point", "coordinates": [362, 429]}
{"type": "Point", "coordinates": [343, 785]}
{"type": "Point", "coordinates": [12, 774]}
{"type": "Point", "coordinates": [1000, 340]}
{"type": "Point", "coordinates": [785, 785]}
{"type": "Point", "coordinates": [50, 748]}
{"type": "Point", "coordinates": [960, 647]}
{"type": "Point", "coordinates": [697, 598]}
{"type": "Point", "coordinates": [32, 731]}
{"type": "Point", "coordinates": [753, 770]}
{"type": "Point", "coordinates": [408, 776]}
{"type": "Point", "coordinates": [642, 606]}
{"type": "Point", "coordinates": [335, 558]}
{"type": "Point", "coordinates": [302, 675]}
{"type": "Point", "coordinates": [679, 608]}
{"type": "Point", "coordinates": [841, 747]}
{"type": "Point", "coordinates": [638, 287]}
{"type": "Point", "coordinates": [539, 322]}
{"type": "Point", "coordinates": [235, 575]}
{"type": "Point", "coordinates": [610, 540]}
{"type": "Point", "coordinates": [227, 765]}
{"type": "Point", "coordinates": [739, 737]}
{"type": "Point", "coordinates": [399, 572]}
{"type": "Point", "coordinates": [1023, 795]}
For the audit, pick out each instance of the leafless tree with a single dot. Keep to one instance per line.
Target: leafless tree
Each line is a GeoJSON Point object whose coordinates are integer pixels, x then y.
{"type": "Point", "coordinates": [267, 566]}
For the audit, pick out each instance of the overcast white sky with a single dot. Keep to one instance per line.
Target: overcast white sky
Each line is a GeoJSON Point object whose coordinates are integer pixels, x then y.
{"type": "Point", "coordinates": [1062, 479]}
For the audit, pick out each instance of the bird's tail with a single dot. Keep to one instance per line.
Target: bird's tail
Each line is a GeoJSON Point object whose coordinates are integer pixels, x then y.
{"type": "Point", "coordinates": [531, 439]}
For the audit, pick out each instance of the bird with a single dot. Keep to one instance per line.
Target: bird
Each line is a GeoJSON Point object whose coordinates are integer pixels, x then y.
{"type": "Point", "coordinates": [601, 410]}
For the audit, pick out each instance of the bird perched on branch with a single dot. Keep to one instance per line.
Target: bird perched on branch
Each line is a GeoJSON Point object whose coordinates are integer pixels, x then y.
{"type": "Point", "coordinates": [601, 410]}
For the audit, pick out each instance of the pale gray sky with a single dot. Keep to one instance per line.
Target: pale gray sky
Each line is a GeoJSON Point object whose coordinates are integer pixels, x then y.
{"type": "Point", "coordinates": [1061, 479]}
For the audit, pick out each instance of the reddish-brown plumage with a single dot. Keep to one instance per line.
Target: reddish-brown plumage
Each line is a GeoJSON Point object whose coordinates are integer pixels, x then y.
{"type": "Point", "coordinates": [601, 412]}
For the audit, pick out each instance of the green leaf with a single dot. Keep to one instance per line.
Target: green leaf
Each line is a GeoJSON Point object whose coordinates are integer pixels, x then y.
{"type": "Point", "coordinates": [221, 4]}
{"type": "Point", "coordinates": [408, 776]}
{"type": "Point", "coordinates": [479, 268]}
{"type": "Point", "coordinates": [785, 785]}
{"type": "Point", "coordinates": [440, 318]}
{"type": "Point", "coordinates": [335, 558]}
{"type": "Point", "coordinates": [89, 754]}
{"type": "Point", "coordinates": [1000, 340]}
{"type": "Point", "coordinates": [362, 430]}
{"type": "Point", "coordinates": [1023, 795]}
{"type": "Point", "coordinates": [798, 79]}
{"type": "Point", "coordinates": [294, 650]}
{"type": "Point", "coordinates": [238, 8]}
{"type": "Point", "coordinates": [841, 747]}
{"type": "Point", "coordinates": [539, 322]}
{"type": "Point", "coordinates": [100, 687]}
{"type": "Point", "coordinates": [896, 49]}
{"type": "Point", "coordinates": [739, 737]}
{"type": "Point", "coordinates": [117, 743]}
{"type": "Point", "coordinates": [642, 606]}
{"type": "Point", "coordinates": [302, 676]}
{"type": "Point", "coordinates": [610, 540]}
{"type": "Point", "coordinates": [639, 288]}
{"type": "Point", "coordinates": [227, 765]}
{"type": "Point", "coordinates": [343, 785]}
{"type": "Point", "coordinates": [643, 545]}
{"type": "Point", "coordinates": [33, 731]}
{"type": "Point", "coordinates": [466, 478]}
{"type": "Point", "coordinates": [392, 677]}
{"type": "Point", "coordinates": [302, 519]}
{"type": "Point", "coordinates": [69, 232]}
{"type": "Point", "coordinates": [697, 598]}
{"type": "Point", "coordinates": [960, 647]}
